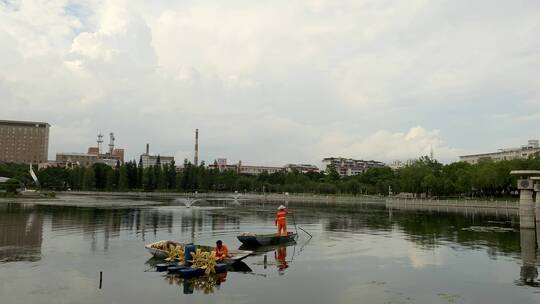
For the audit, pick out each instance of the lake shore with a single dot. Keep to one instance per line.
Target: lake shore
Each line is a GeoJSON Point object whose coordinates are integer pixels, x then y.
{"type": "Point", "coordinates": [148, 198]}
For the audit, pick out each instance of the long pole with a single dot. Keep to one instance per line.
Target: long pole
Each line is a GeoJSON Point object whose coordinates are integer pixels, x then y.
{"type": "Point", "coordinates": [294, 222]}
{"type": "Point", "coordinates": [100, 278]}
{"type": "Point", "coordinates": [310, 236]}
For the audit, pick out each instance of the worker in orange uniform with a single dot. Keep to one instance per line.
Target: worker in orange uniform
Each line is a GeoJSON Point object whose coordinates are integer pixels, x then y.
{"type": "Point", "coordinates": [281, 220]}
{"type": "Point", "coordinates": [221, 250]}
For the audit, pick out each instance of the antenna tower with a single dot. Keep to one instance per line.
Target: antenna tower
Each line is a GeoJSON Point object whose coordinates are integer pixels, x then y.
{"type": "Point", "coordinates": [99, 142]}
{"type": "Point", "coordinates": [111, 142]}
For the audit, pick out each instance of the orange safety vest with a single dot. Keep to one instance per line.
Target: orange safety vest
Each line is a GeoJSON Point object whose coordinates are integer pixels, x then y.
{"type": "Point", "coordinates": [223, 252]}
{"type": "Point", "coordinates": [281, 216]}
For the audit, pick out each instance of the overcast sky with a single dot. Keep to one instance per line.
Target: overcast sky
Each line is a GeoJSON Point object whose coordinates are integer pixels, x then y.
{"type": "Point", "coordinates": [274, 82]}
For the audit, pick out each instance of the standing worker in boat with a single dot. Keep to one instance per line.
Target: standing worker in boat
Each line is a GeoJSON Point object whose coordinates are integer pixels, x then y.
{"type": "Point", "coordinates": [281, 220]}
{"type": "Point", "coordinates": [221, 250]}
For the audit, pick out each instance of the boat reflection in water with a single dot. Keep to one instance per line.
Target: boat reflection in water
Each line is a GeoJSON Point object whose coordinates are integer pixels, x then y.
{"type": "Point", "coordinates": [205, 284]}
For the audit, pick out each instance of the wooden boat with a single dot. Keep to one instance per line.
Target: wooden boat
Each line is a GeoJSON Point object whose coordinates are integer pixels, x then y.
{"type": "Point", "coordinates": [235, 255]}
{"type": "Point", "coordinates": [252, 239]}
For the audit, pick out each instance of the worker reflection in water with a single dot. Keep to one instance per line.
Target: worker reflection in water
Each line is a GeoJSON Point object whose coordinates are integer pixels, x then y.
{"type": "Point", "coordinates": [221, 250]}
{"type": "Point", "coordinates": [221, 278]}
{"type": "Point", "coordinates": [281, 258]}
{"type": "Point", "coordinates": [281, 220]}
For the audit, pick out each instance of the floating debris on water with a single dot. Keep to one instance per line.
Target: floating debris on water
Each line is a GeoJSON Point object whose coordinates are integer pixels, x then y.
{"type": "Point", "coordinates": [449, 297]}
{"type": "Point", "coordinates": [488, 229]}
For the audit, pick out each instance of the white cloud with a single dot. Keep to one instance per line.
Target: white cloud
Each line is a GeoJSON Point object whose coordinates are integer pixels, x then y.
{"type": "Point", "coordinates": [387, 146]}
{"type": "Point", "coordinates": [273, 82]}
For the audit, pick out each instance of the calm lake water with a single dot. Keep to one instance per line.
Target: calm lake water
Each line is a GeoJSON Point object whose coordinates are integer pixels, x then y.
{"type": "Point", "coordinates": [359, 253]}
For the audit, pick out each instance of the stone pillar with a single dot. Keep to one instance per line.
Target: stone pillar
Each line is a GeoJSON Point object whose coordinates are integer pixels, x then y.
{"type": "Point", "coordinates": [526, 209]}
{"type": "Point", "coordinates": [525, 185]}
{"type": "Point", "coordinates": [537, 201]}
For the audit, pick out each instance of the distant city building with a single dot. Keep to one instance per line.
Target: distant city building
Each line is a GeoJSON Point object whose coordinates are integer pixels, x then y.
{"type": "Point", "coordinates": [23, 141]}
{"type": "Point", "coordinates": [222, 165]}
{"type": "Point", "coordinates": [80, 159]}
{"type": "Point", "coordinates": [117, 154]}
{"type": "Point", "coordinates": [349, 166]}
{"type": "Point", "coordinates": [149, 160]}
{"type": "Point", "coordinates": [109, 157]}
{"type": "Point", "coordinates": [398, 164]}
{"type": "Point", "coordinates": [57, 164]}
{"type": "Point", "coordinates": [95, 155]}
{"type": "Point", "coordinates": [523, 152]}
{"type": "Point", "coordinates": [256, 170]}
{"type": "Point", "coordinates": [302, 168]}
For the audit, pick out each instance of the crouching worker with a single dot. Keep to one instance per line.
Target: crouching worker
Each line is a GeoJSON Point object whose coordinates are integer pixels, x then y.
{"type": "Point", "coordinates": [221, 250]}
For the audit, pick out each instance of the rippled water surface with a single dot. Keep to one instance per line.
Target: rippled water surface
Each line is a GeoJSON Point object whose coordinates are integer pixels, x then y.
{"type": "Point", "coordinates": [53, 252]}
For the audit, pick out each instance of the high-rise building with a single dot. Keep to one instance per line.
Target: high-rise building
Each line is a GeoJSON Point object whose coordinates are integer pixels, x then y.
{"type": "Point", "coordinates": [24, 141]}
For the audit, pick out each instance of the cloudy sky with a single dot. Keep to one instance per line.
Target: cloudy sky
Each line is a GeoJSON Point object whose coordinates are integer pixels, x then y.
{"type": "Point", "coordinates": [273, 82]}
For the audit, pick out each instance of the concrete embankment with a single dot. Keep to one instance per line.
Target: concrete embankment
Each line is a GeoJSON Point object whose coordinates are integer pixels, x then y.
{"type": "Point", "coordinates": [454, 203]}
{"type": "Point", "coordinates": [232, 196]}
{"type": "Point", "coordinates": [506, 208]}
{"type": "Point", "coordinates": [307, 198]}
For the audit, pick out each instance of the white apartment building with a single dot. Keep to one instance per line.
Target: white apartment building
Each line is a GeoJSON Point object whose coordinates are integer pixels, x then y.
{"type": "Point", "coordinates": [151, 160]}
{"type": "Point", "coordinates": [222, 165]}
{"type": "Point", "coordinates": [302, 168]}
{"type": "Point", "coordinates": [349, 166]}
{"type": "Point", "coordinates": [398, 164]}
{"type": "Point", "coordinates": [531, 148]}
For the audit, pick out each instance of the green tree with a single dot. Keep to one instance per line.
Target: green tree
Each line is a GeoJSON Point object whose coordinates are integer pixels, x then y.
{"type": "Point", "coordinates": [89, 179]}
{"type": "Point", "coordinates": [12, 185]}
{"type": "Point", "coordinates": [140, 174]}
{"type": "Point", "coordinates": [171, 176]}
{"type": "Point", "coordinates": [148, 179]}
{"type": "Point", "coordinates": [332, 174]}
{"type": "Point", "coordinates": [123, 181]}
{"type": "Point", "coordinates": [110, 179]}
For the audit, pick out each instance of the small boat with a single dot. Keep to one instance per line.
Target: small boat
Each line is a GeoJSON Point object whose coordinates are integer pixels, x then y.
{"type": "Point", "coordinates": [235, 255]}
{"type": "Point", "coordinates": [252, 239]}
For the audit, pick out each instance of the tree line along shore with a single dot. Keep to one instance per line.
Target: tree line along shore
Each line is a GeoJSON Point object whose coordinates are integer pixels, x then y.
{"type": "Point", "coordinates": [424, 178]}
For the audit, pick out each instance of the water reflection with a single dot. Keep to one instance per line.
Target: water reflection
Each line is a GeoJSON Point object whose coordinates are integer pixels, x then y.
{"type": "Point", "coordinates": [21, 233]}
{"type": "Point", "coordinates": [205, 284]}
{"type": "Point", "coordinates": [281, 259]}
{"type": "Point", "coordinates": [21, 226]}
{"type": "Point", "coordinates": [529, 272]}
{"type": "Point", "coordinates": [358, 244]}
